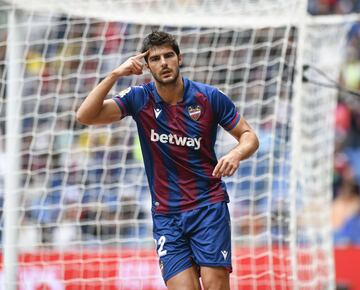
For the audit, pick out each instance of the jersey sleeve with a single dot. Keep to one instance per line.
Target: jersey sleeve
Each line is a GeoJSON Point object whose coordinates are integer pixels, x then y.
{"type": "Point", "coordinates": [130, 101]}
{"type": "Point", "coordinates": [225, 110]}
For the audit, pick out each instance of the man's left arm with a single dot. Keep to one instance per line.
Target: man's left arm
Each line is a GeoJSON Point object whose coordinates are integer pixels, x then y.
{"type": "Point", "coordinates": [248, 143]}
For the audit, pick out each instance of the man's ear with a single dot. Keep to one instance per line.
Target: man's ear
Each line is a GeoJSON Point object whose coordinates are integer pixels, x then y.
{"type": "Point", "coordinates": [146, 65]}
{"type": "Point", "coordinates": [180, 59]}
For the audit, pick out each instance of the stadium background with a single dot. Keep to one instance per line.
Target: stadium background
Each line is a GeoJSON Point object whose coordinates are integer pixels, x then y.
{"type": "Point", "coordinates": [346, 199]}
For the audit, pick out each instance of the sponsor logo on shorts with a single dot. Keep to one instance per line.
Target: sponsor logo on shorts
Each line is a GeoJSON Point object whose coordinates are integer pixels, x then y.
{"type": "Point", "coordinates": [224, 253]}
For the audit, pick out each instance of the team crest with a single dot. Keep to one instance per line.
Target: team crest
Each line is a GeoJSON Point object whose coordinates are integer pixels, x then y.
{"type": "Point", "coordinates": [124, 92]}
{"type": "Point", "coordinates": [194, 112]}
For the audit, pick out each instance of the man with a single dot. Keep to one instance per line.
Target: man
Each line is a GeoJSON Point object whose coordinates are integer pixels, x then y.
{"type": "Point", "coordinates": [177, 121]}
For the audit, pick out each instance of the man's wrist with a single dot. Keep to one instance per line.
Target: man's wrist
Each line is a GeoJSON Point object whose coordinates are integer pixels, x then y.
{"type": "Point", "coordinates": [239, 152]}
{"type": "Point", "coordinates": [115, 75]}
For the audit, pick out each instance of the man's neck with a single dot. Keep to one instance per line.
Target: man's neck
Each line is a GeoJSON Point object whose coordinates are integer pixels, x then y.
{"type": "Point", "coordinates": [171, 93]}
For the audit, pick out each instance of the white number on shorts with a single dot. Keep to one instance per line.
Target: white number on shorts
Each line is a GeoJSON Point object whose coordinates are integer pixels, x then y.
{"type": "Point", "coordinates": [161, 243]}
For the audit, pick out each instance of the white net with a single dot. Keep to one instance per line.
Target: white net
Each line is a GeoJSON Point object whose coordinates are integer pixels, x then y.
{"type": "Point", "coordinates": [83, 213]}
{"type": "Point", "coordinates": [172, 12]}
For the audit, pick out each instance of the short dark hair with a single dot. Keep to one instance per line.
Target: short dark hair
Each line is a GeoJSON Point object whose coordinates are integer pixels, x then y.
{"type": "Point", "coordinates": [159, 38]}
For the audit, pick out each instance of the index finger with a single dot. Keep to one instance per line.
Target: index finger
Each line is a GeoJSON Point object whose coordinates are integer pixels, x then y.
{"type": "Point", "coordinates": [141, 55]}
{"type": "Point", "coordinates": [217, 168]}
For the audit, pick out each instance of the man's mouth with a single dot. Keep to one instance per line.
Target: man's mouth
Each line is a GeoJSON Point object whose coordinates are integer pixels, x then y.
{"type": "Point", "coordinates": [166, 72]}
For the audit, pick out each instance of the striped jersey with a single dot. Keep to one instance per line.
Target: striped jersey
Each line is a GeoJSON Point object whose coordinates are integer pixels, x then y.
{"type": "Point", "coordinates": [177, 143]}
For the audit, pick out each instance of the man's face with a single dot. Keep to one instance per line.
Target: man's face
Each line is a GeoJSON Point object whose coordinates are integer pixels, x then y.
{"type": "Point", "coordinates": [164, 64]}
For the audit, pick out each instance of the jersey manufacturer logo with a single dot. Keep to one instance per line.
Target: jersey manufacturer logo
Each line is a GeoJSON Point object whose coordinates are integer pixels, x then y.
{"type": "Point", "coordinates": [224, 253]}
{"type": "Point", "coordinates": [157, 112]}
{"type": "Point", "coordinates": [176, 140]}
{"type": "Point", "coordinates": [194, 112]}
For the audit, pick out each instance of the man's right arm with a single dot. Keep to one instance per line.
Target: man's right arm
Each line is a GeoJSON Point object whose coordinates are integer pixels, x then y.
{"type": "Point", "coordinates": [95, 109]}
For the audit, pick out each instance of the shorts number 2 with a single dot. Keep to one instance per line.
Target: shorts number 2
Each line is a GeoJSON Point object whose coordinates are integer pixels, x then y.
{"type": "Point", "coordinates": [161, 243]}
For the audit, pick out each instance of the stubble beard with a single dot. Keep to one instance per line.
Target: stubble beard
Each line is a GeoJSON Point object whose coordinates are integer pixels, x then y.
{"type": "Point", "coordinates": [170, 81]}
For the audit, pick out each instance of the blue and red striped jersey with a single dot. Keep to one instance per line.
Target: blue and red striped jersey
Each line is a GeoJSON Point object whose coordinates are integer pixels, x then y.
{"type": "Point", "coordinates": [177, 143]}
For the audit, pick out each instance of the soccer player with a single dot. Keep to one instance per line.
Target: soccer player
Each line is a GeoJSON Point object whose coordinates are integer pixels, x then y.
{"type": "Point", "coordinates": [177, 121]}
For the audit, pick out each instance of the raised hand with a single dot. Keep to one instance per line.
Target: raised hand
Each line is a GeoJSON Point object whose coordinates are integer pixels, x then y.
{"type": "Point", "coordinates": [132, 66]}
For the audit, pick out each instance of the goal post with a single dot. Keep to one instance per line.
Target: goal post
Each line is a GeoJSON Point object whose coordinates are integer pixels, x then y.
{"type": "Point", "coordinates": [11, 181]}
{"type": "Point", "coordinates": [78, 216]}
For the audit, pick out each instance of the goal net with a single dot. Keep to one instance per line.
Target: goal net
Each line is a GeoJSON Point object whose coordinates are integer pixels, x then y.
{"type": "Point", "coordinates": [76, 206]}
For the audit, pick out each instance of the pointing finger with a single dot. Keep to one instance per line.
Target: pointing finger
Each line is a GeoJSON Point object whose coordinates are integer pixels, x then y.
{"type": "Point", "coordinates": [141, 55]}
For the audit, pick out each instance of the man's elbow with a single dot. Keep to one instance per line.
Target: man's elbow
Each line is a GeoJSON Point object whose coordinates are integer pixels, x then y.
{"type": "Point", "coordinates": [81, 118]}
{"type": "Point", "coordinates": [256, 143]}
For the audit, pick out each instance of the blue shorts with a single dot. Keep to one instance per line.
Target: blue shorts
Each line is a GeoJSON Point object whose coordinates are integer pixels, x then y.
{"type": "Point", "coordinates": [201, 236]}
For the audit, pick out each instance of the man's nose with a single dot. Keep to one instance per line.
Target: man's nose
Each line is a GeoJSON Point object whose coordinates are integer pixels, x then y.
{"type": "Point", "coordinates": [163, 61]}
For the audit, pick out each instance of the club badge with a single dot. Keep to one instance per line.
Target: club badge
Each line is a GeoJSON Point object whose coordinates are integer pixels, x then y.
{"type": "Point", "coordinates": [194, 112]}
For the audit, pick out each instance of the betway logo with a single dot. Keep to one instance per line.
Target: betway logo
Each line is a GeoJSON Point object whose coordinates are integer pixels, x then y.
{"type": "Point", "coordinates": [175, 139]}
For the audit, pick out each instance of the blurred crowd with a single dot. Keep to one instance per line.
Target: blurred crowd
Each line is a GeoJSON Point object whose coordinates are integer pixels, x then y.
{"type": "Point", "coordinates": [75, 177]}
{"type": "Point", "coordinates": [325, 7]}
{"type": "Point", "coordinates": [346, 203]}
{"type": "Point", "coordinates": [346, 206]}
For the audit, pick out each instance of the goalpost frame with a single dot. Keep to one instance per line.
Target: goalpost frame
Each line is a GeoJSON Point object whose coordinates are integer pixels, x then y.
{"type": "Point", "coordinates": [295, 139]}
{"type": "Point", "coordinates": [12, 149]}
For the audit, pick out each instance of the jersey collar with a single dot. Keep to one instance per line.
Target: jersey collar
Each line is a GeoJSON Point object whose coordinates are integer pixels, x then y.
{"type": "Point", "coordinates": [157, 97]}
